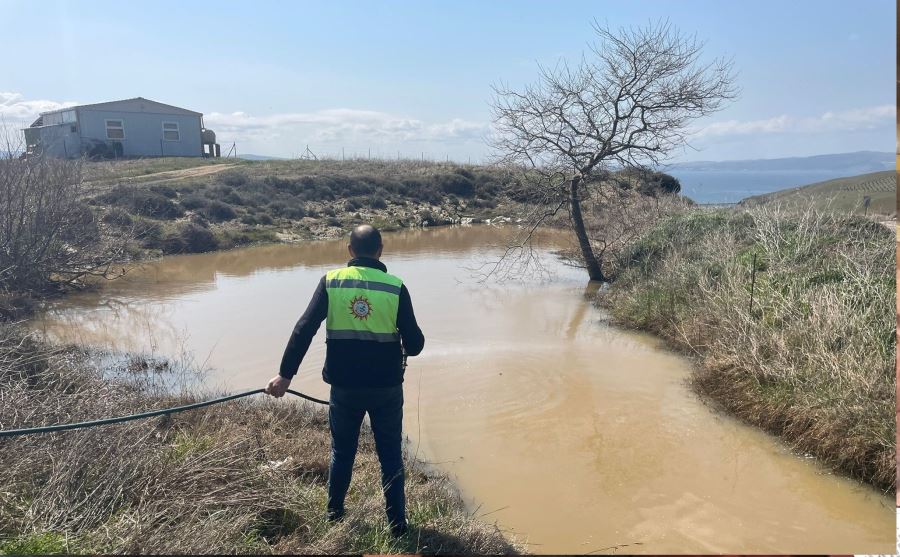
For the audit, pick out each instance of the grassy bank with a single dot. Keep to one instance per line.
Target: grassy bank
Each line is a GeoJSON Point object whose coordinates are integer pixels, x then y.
{"type": "Point", "coordinates": [244, 477]}
{"type": "Point", "coordinates": [813, 359]}
{"type": "Point", "coordinates": [172, 207]}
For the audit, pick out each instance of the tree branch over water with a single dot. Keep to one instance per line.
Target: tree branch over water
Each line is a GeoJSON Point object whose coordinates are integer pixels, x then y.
{"type": "Point", "coordinates": [626, 104]}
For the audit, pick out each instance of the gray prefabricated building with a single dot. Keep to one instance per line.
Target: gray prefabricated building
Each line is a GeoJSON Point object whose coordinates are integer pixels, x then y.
{"type": "Point", "coordinates": [135, 127]}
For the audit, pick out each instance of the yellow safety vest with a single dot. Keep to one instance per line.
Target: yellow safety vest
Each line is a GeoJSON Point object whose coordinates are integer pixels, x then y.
{"type": "Point", "coordinates": [362, 304]}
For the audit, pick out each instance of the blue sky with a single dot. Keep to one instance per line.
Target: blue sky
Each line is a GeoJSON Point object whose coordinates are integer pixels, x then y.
{"type": "Point", "coordinates": [411, 77]}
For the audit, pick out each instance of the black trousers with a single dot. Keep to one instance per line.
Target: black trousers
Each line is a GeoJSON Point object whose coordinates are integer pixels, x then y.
{"type": "Point", "coordinates": [346, 410]}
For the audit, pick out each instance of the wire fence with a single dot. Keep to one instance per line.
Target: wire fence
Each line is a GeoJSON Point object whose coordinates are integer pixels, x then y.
{"type": "Point", "coordinates": [230, 150]}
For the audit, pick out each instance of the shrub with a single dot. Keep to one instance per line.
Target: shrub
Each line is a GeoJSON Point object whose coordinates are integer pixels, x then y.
{"type": "Point", "coordinates": [277, 207]}
{"type": "Point", "coordinates": [295, 212]}
{"type": "Point", "coordinates": [193, 202]}
{"type": "Point", "coordinates": [217, 211]}
{"type": "Point", "coordinates": [190, 238]}
{"type": "Point", "coordinates": [118, 217]}
{"type": "Point", "coordinates": [658, 183]}
{"type": "Point", "coordinates": [264, 219]}
{"type": "Point", "coordinates": [255, 199]}
{"type": "Point", "coordinates": [456, 184]}
{"type": "Point", "coordinates": [164, 190]}
{"type": "Point", "coordinates": [49, 238]}
{"type": "Point", "coordinates": [233, 198]}
{"type": "Point", "coordinates": [483, 203]}
{"type": "Point", "coordinates": [225, 194]}
{"type": "Point", "coordinates": [147, 229]}
{"type": "Point", "coordinates": [230, 238]}
{"type": "Point", "coordinates": [377, 202]}
{"type": "Point", "coordinates": [464, 173]}
{"type": "Point", "coordinates": [281, 184]}
{"type": "Point", "coordinates": [233, 178]}
{"type": "Point", "coordinates": [140, 201]}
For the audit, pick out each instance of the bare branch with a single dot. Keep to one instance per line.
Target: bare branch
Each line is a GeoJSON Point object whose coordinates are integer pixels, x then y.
{"type": "Point", "coordinates": [627, 104]}
{"type": "Point", "coordinates": [49, 237]}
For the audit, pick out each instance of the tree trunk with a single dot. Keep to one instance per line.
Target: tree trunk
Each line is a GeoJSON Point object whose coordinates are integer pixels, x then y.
{"type": "Point", "coordinates": [590, 260]}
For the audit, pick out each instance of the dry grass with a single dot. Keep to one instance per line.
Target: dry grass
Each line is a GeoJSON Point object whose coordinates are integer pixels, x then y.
{"type": "Point", "coordinates": [243, 477]}
{"type": "Point", "coordinates": [139, 168]}
{"type": "Point", "coordinates": [251, 201]}
{"type": "Point", "coordinates": [814, 359]}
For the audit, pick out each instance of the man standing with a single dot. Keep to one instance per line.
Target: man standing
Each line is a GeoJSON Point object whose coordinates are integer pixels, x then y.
{"type": "Point", "coordinates": [369, 323]}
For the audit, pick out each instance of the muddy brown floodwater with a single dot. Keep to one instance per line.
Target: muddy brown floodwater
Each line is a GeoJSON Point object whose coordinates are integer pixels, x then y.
{"type": "Point", "coordinates": [574, 435]}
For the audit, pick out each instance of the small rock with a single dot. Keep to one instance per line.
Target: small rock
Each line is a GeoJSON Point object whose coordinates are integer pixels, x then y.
{"type": "Point", "coordinates": [274, 465]}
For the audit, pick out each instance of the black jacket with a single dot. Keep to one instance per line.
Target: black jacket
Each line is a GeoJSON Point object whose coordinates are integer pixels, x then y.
{"type": "Point", "coordinates": [354, 363]}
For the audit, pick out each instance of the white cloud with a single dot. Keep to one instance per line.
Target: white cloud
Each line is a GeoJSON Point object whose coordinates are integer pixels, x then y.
{"type": "Point", "coordinates": [386, 134]}
{"type": "Point", "coordinates": [329, 130]}
{"type": "Point", "coordinates": [17, 111]}
{"type": "Point", "coordinates": [341, 125]}
{"type": "Point", "coordinates": [848, 120]}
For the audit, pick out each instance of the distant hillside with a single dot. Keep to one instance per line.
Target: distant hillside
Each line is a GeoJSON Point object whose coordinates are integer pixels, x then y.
{"type": "Point", "coordinates": [842, 194]}
{"type": "Point", "coordinates": [845, 163]}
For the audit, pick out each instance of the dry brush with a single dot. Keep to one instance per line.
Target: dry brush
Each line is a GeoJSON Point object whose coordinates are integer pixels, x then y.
{"type": "Point", "coordinates": [791, 316]}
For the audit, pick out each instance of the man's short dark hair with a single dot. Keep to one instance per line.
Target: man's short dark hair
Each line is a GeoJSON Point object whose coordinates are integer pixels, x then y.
{"type": "Point", "coordinates": [365, 240]}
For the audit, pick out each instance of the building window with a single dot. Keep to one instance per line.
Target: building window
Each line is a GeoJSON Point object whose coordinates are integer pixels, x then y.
{"type": "Point", "coordinates": [115, 129]}
{"type": "Point", "coordinates": [57, 118]}
{"type": "Point", "coordinates": [170, 131]}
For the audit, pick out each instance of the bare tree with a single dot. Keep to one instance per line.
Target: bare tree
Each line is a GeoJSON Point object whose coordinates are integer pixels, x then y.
{"type": "Point", "coordinates": [49, 237]}
{"type": "Point", "coordinates": [627, 104]}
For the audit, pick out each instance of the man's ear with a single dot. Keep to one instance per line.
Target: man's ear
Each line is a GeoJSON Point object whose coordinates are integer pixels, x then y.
{"type": "Point", "coordinates": [378, 255]}
{"type": "Point", "coordinates": [350, 249]}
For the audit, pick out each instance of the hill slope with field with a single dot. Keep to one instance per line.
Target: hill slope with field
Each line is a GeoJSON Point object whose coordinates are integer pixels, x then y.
{"type": "Point", "coordinates": [845, 195]}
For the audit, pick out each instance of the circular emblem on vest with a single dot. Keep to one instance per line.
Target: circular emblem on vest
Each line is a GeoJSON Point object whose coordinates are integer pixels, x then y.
{"type": "Point", "coordinates": [360, 307]}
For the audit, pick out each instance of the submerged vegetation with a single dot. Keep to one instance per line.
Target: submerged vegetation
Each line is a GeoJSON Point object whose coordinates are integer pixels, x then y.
{"type": "Point", "coordinates": [791, 316]}
{"type": "Point", "coordinates": [243, 477]}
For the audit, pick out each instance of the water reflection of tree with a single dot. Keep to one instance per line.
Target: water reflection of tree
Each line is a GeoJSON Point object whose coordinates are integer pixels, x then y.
{"type": "Point", "coordinates": [131, 325]}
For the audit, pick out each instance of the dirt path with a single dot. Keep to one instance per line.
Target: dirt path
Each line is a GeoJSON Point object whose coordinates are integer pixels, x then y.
{"type": "Point", "coordinates": [169, 175]}
{"type": "Point", "coordinates": [166, 175]}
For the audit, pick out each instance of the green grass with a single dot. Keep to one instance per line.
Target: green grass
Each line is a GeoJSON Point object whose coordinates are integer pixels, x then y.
{"type": "Point", "coordinates": [842, 195]}
{"type": "Point", "coordinates": [44, 543]}
{"type": "Point", "coordinates": [186, 444]}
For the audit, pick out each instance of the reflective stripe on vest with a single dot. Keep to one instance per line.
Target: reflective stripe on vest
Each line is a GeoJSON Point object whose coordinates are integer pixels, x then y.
{"type": "Point", "coordinates": [362, 304]}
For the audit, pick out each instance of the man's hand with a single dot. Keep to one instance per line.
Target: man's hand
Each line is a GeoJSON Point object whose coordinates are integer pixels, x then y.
{"type": "Point", "coordinates": [277, 386]}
